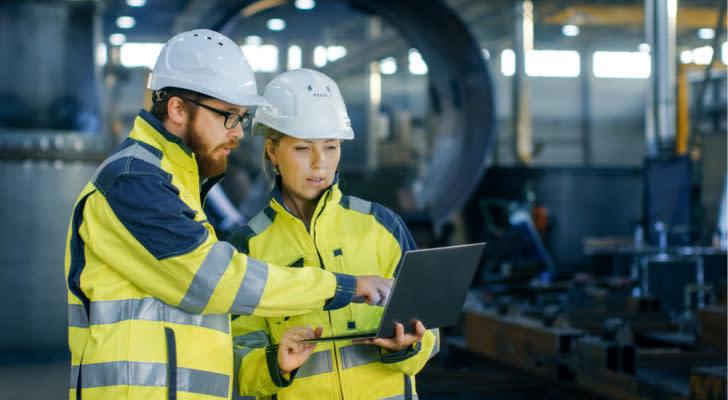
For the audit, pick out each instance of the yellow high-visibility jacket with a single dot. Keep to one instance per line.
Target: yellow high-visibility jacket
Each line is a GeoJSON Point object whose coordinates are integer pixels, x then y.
{"type": "Point", "coordinates": [151, 289]}
{"type": "Point", "coordinates": [347, 235]}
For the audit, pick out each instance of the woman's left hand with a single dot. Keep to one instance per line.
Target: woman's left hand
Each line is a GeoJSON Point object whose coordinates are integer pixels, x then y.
{"type": "Point", "coordinates": [400, 339]}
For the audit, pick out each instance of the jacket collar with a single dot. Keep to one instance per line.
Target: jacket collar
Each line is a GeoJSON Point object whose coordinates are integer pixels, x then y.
{"type": "Point", "coordinates": [333, 190]}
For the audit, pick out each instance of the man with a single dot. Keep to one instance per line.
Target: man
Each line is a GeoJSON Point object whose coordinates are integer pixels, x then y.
{"type": "Point", "coordinates": [150, 288]}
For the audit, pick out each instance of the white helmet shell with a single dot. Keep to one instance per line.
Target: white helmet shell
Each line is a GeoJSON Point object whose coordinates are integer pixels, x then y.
{"type": "Point", "coordinates": [305, 104]}
{"type": "Point", "coordinates": [209, 63]}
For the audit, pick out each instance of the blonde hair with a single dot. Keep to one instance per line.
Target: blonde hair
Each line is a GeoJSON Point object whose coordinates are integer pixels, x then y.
{"type": "Point", "coordinates": [270, 170]}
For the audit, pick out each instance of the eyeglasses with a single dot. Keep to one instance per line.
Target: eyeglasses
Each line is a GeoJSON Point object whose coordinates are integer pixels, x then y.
{"type": "Point", "coordinates": [231, 119]}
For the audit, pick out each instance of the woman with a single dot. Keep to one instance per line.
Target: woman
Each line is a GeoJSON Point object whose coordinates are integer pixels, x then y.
{"type": "Point", "coordinates": [310, 223]}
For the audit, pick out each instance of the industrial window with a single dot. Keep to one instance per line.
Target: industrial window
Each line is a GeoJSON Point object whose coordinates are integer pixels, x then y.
{"type": "Point", "coordinates": [621, 64]}
{"type": "Point", "coordinates": [140, 54]}
{"type": "Point", "coordinates": [334, 53]}
{"type": "Point", "coordinates": [262, 58]}
{"type": "Point", "coordinates": [294, 57]}
{"type": "Point", "coordinates": [544, 63]}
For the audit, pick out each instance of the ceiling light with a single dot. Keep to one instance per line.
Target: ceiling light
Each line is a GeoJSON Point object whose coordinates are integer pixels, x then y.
{"type": "Point", "coordinates": [388, 66]}
{"type": "Point", "coordinates": [305, 4]}
{"type": "Point", "coordinates": [117, 39]}
{"type": "Point", "coordinates": [276, 24]}
{"type": "Point", "coordinates": [570, 30]}
{"type": "Point", "coordinates": [125, 22]}
{"type": "Point", "coordinates": [706, 33]}
{"type": "Point", "coordinates": [136, 3]}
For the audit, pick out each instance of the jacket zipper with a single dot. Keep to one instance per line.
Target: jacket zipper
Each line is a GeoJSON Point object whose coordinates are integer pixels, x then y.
{"type": "Point", "coordinates": [335, 349]}
{"type": "Point", "coordinates": [171, 364]}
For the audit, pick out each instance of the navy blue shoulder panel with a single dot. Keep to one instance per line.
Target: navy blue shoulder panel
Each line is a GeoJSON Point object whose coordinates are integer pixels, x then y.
{"type": "Point", "coordinates": [143, 198]}
{"type": "Point", "coordinates": [390, 220]}
{"type": "Point", "coordinates": [240, 238]}
{"type": "Point", "coordinates": [78, 254]}
{"type": "Point", "coordinates": [131, 156]}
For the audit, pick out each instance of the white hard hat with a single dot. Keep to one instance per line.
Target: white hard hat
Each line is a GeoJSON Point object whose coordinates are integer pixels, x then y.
{"type": "Point", "coordinates": [305, 104]}
{"type": "Point", "coordinates": [209, 63]}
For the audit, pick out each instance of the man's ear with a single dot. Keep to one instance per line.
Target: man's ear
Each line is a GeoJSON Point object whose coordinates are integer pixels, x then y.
{"type": "Point", "coordinates": [176, 110]}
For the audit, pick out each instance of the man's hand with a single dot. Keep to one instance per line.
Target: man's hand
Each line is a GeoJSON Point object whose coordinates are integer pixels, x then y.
{"type": "Point", "coordinates": [291, 351]}
{"type": "Point", "coordinates": [372, 289]}
{"type": "Point", "coordinates": [400, 339]}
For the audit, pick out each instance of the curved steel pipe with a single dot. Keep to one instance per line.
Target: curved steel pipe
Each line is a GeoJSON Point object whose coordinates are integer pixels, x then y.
{"type": "Point", "coordinates": [461, 90]}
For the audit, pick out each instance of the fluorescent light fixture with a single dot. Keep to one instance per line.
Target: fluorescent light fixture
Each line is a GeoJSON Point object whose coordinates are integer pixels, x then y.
{"type": "Point", "coordinates": [140, 54]}
{"type": "Point", "coordinates": [254, 40]}
{"type": "Point", "coordinates": [622, 64]}
{"type": "Point", "coordinates": [706, 33]}
{"type": "Point", "coordinates": [117, 39]}
{"type": "Point", "coordinates": [305, 4]}
{"type": "Point", "coordinates": [644, 48]}
{"type": "Point", "coordinates": [136, 3]}
{"type": "Point", "coordinates": [417, 65]}
{"type": "Point", "coordinates": [319, 56]}
{"type": "Point", "coordinates": [276, 24]}
{"type": "Point", "coordinates": [262, 58]}
{"type": "Point", "coordinates": [295, 56]}
{"type": "Point", "coordinates": [544, 63]}
{"type": "Point", "coordinates": [388, 66]}
{"type": "Point", "coordinates": [125, 22]}
{"type": "Point", "coordinates": [334, 53]}
{"type": "Point", "coordinates": [686, 56]}
{"type": "Point", "coordinates": [570, 30]}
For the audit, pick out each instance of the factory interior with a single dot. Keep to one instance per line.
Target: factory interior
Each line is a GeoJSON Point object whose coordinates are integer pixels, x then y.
{"type": "Point", "coordinates": [583, 140]}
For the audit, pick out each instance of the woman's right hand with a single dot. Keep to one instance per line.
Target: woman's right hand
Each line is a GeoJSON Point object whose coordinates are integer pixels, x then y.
{"type": "Point", "coordinates": [291, 351]}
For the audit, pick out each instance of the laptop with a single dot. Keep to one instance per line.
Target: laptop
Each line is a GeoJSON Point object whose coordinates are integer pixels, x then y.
{"type": "Point", "coordinates": [431, 287]}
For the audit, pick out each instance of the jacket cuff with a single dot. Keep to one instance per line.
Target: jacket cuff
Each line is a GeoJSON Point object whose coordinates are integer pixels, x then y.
{"type": "Point", "coordinates": [345, 289]}
{"type": "Point", "coordinates": [271, 356]}
{"type": "Point", "coordinates": [401, 355]}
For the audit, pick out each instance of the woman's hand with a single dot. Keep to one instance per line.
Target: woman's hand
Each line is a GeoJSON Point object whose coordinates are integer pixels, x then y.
{"type": "Point", "coordinates": [291, 351]}
{"type": "Point", "coordinates": [400, 339]}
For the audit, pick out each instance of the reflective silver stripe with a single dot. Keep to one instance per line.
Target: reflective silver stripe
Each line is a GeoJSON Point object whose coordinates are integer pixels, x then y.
{"type": "Point", "coordinates": [74, 376]}
{"type": "Point", "coordinates": [152, 374]}
{"type": "Point", "coordinates": [203, 382]}
{"type": "Point", "coordinates": [244, 344]}
{"type": "Point", "coordinates": [317, 363]}
{"type": "Point", "coordinates": [252, 339]}
{"type": "Point", "coordinates": [251, 288]}
{"type": "Point", "coordinates": [357, 204]}
{"type": "Point", "coordinates": [400, 397]}
{"type": "Point", "coordinates": [358, 354]}
{"type": "Point", "coordinates": [151, 309]}
{"type": "Point", "coordinates": [436, 347]}
{"type": "Point", "coordinates": [260, 222]}
{"type": "Point", "coordinates": [135, 151]}
{"type": "Point", "coordinates": [207, 277]}
{"type": "Point", "coordinates": [77, 316]}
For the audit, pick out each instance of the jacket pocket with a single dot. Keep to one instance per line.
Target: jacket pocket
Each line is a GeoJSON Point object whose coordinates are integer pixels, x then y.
{"type": "Point", "coordinates": [171, 363]}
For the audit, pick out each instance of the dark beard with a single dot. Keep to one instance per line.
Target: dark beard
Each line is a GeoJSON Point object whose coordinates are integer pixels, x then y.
{"type": "Point", "coordinates": [208, 165]}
